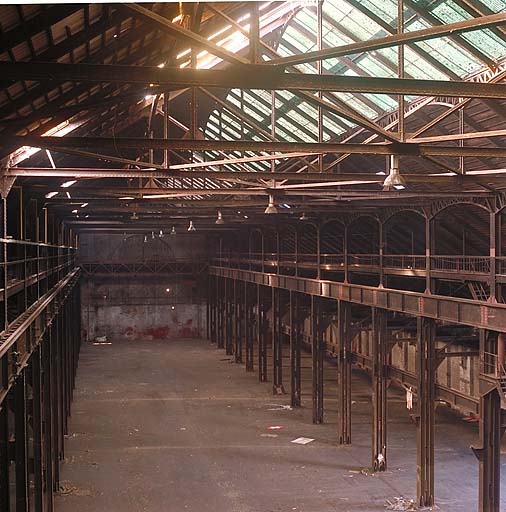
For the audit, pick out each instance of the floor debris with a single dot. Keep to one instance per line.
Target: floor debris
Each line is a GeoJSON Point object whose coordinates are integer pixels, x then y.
{"type": "Point", "coordinates": [268, 435]}
{"type": "Point", "coordinates": [274, 427]}
{"type": "Point", "coordinates": [69, 489]}
{"type": "Point", "coordinates": [302, 440]}
{"type": "Point", "coordinates": [400, 503]}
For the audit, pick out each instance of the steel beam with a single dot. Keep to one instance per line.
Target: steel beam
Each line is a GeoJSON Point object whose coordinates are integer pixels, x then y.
{"type": "Point", "coordinates": [487, 175]}
{"type": "Point", "coordinates": [380, 350]}
{"type": "Point", "coordinates": [407, 149]}
{"type": "Point", "coordinates": [245, 76]}
{"type": "Point", "coordinates": [344, 361]}
{"type": "Point", "coordinates": [414, 36]}
{"type": "Point", "coordinates": [425, 418]}
{"type": "Point", "coordinates": [179, 32]}
{"type": "Point", "coordinates": [455, 310]}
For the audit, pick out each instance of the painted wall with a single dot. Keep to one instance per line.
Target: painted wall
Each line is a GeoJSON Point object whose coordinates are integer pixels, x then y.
{"type": "Point", "coordinates": [144, 308]}
{"type": "Point", "coordinates": [128, 309]}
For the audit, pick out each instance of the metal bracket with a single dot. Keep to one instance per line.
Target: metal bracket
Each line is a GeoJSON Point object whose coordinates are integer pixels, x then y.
{"type": "Point", "coordinates": [6, 182]}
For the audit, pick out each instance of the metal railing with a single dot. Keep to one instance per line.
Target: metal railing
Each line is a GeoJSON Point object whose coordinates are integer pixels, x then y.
{"type": "Point", "coordinates": [491, 366]}
{"type": "Point", "coordinates": [404, 261]}
{"type": "Point", "coordinates": [439, 263]}
{"type": "Point", "coordinates": [472, 264]}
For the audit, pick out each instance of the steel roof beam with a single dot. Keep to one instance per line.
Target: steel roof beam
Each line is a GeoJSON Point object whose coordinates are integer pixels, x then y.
{"type": "Point", "coordinates": [247, 76]}
{"type": "Point", "coordinates": [394, 40]}
{"type": "Point", "coordinates": [179, 32]}
{"type": "Point", "coordinates": [113, 143]}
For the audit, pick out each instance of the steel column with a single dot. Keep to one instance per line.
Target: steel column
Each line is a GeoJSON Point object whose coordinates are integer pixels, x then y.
{"type": "Point", "coordinates": [4, 456]}
{"type": "Point", "coordinates": [493, 250]}
{"type": "Point", "coordinates": [344, 372]}
{"type": "Point", "coordinates": [36, 382]}
{"type": "Point", "coordinates": [489, 452]}
{"type": "Point", "coordinates": [379, 389]}
{"type": "Point", "coordinates": [248, 328]}
{"type": "Point", "coordinates": [295, 335]}
{"type": "Point", "coordinates": [240, 320]}
{"type": "Point", "coordinates": [21, 440]}
{"type": "Point", "coordinates": [277, 343]}
{"type": "Point", "coordinates": [317, 356]}
{"type": "Point", "coordinates": [228, 319]}
{"type": "Point", "coordinates": [425, 419]}
{"type": "Point", "coordinates": [262, 337]}
{"type": "Point", "coordinates": [236, 320]}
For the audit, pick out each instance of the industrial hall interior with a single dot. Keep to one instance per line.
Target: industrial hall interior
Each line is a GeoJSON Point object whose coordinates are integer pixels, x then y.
{"type": "Point", "coordinates": [253, 256]}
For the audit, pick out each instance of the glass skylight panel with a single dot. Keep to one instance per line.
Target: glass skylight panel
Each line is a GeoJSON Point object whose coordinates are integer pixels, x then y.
{"type": "Point", "coordinates": [420, 68]}
{"type": "Point", "coordinates": [386, 9]}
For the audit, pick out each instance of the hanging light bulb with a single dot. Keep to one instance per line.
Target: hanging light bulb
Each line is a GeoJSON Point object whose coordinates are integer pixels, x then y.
{"type": "Point", "coordinates": [134, 216]}
{"type": "Point", "coordinates": [270, 207]}
{"type": "Point", "coordinates": [152, 235]}
{"type": "Point", "coordinates": [191, 227]}
{"type": "Point", "coordinates": [145, 238]}
{"type": "Point", "coordinates": [303, 216]}
{"type": "Point", "coordinates": [124, 237]}
{"type": "Point", "coordinates": [173, 230]}
{"type": "Point", "coordinates": [160, 235]}
{"type": "Point", "coordinates": [394, 180]}
{"type": "Point", "coordinates": [219, 220]}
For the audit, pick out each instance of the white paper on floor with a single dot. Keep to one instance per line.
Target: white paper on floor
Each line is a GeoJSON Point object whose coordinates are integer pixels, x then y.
{"type": "Point", "coordinates": [279, 407]}
{"type": "Point", "coordinates": [302, 440]}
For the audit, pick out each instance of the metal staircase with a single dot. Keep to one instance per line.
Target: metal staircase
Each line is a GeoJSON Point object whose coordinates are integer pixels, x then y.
{"type": "Point", "coordinates": [478, 290]}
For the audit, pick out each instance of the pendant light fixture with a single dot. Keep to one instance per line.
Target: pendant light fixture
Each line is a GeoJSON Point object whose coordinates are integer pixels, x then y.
{"type": "Point", "coordinates": [271, 208]}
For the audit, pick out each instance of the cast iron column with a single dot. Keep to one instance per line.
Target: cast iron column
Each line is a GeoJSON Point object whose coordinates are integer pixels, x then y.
{"type": "Point", "coordinates": [488, 452]}
{"type": "Point", "coordinates": [344, 372]}
{"type": "Point", "coordinates": [248, 328]}
{"type": "Point", "coordinates": [379, 389]}
{"type": "Point", "coordinates": [317, 353]}
{"type": "Point", "coordinates": [262, 338]}
{"type": "Point", "coordinates": [220, 297]}
{"type": "Point", "coordinates": [295, 328]}
{"type": "Point", "coordinates": [494, 239]}
{"type": "Point", "coordinates": [228, 319]}
{"type": "Point", "coordinates": [277, 343]}
{"type": "Point", "coordinates": [21, 452]}
{"type": "Point", "coordinates": [425, 420]}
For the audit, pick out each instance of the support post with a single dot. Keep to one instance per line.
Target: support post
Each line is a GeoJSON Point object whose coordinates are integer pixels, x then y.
{"type": "Point", "coordinates": [489, 452]}
{"type": "Point", "coordinates": [295, 329]}
{"type": "Point", "coordinates": [493, 253]}
{"type": "Point", "coordinates": [425, 420]}
{"type": "Point", "coordinates": [4, 454]}
{"type": "Point", "coordinates": [248, 328]}
{"type": "Point", "coordinates": [429, 251]}
{"type": "Point", "coordinates": [317, 353]}
{"type": "Point", "coordinates": [262, 338]}
{"type": "Point", "coordinates": [221, 313]}
{"type": "Point", "coordinates": [379, 389]}
{"type": "Point", "coordinates": [228, 320]}
{"type": "Point", "coordinates": [20, 431]}
{"type": "Point", "coordinates": [344, 373]}
{"type": "Point", "coordinates": [277, 344]}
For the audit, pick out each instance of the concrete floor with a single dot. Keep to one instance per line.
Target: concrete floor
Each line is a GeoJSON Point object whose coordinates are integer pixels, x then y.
{"type": "Point", "coordinates": [175, 426]}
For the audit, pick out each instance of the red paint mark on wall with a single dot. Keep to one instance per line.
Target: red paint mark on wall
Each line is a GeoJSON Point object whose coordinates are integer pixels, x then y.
{"type": "Point", "coordinates": [162, 332]}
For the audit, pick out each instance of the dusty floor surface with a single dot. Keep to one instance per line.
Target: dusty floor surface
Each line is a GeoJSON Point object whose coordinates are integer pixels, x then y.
{"type": "Point", "coordinates": [175, 426]}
